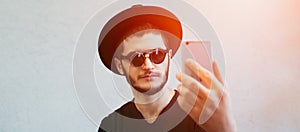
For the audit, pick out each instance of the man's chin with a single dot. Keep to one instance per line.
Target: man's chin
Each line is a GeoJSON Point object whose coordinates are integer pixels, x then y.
{"type": "Point", "coordinates": [148, 90]}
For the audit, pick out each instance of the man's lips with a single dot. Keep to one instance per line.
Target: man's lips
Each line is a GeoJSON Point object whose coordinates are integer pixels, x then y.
{"type": "Point", "coordinates": [148, 76]}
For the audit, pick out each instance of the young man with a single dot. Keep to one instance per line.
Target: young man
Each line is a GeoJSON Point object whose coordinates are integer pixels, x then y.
{"type": "Point", "coordinates": [138, 43]}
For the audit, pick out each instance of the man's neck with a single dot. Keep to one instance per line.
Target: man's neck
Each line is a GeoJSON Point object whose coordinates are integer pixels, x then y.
{"type": "Point", "coordinates": [151, 106]}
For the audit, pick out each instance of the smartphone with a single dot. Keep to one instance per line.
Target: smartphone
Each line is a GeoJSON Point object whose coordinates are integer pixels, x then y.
{"type": "Point", "coordinates": [200, 51]}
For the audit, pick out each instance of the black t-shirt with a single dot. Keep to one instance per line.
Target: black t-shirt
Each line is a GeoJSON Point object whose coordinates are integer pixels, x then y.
{"type": "Point", "coordinates": [128, 119]}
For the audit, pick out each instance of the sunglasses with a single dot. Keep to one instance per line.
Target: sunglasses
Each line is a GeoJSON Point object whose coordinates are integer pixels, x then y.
{"type": "Point", "coordinates": [137, 58]}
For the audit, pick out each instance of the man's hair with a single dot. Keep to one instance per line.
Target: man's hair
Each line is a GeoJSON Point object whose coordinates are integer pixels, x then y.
{"type": "Point", "coordinates": [140, 31]}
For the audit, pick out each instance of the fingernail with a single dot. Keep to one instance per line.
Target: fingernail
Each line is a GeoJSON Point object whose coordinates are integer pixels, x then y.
{"type": "Point", "coordinates": [178, 75]}
{"type": "Point", "coordinates": [189, 61]}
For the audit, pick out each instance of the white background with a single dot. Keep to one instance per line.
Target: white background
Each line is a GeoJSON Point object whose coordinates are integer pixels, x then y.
{"type": "Point", "coordinates": [261, 41]}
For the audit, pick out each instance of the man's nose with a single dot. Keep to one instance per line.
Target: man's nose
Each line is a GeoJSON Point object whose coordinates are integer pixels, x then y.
{"type": "Point", "coordinates": [148, 64]}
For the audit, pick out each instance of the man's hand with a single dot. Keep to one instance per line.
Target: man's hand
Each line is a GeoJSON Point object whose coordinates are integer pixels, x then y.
{"type": "Point", "coordinates": [202, 96]}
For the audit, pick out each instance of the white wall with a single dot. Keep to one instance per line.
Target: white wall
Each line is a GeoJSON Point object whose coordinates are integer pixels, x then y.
{"type": "Point", "coordinates": [261, 40]}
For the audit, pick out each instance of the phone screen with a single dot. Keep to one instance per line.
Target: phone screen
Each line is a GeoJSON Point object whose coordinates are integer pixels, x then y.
{"type": "Point", "coordinates": [200, 51]}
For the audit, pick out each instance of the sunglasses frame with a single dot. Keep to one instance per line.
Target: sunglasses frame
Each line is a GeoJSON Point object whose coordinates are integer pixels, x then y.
{"type": "Point", "coordinates": [145, 54]}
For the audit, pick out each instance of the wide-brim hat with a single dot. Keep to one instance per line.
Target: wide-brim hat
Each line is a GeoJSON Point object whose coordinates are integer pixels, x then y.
{"type": "Point", "coordinates": [111, 35]}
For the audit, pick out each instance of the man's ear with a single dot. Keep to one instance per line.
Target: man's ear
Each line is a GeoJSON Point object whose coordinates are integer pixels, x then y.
{"type": "Point", "coordinates": [118, 65]}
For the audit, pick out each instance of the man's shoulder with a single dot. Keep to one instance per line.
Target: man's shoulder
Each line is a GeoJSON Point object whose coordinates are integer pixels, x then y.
{"type": "Point", "coordinates": [127, 110]}
{"type": "Point", "coordinates": [125, 107]}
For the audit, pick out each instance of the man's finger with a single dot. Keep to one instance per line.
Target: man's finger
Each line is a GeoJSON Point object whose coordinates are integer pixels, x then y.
{"type": "Point", "coordinates": [217, 72]}
{"type": "Point", "coordinates": [203, 74]}
{"type": "Point", "coordinates": [192, 85]}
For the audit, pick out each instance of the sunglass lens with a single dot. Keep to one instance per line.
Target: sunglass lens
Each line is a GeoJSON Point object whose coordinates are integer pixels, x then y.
{"type": "Point", "coordinates": [138, 60]}
{"type": "Point", "coordinates": [157, 57]}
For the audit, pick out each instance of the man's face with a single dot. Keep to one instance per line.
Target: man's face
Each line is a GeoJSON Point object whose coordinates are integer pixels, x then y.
{"type": "Point", "coordinates": [148, 78]}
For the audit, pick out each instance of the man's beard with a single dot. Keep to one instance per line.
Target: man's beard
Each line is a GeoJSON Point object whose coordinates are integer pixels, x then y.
{"type": "Point", "coordinates": [151, 90]}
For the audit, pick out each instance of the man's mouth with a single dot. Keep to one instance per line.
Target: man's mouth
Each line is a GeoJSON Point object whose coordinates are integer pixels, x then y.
{"type": "Point", "coordinates": [149, 76]}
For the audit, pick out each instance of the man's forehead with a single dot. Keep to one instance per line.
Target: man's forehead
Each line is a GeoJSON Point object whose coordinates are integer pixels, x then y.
{"type": "Point", "coordinates": [144, 42]}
